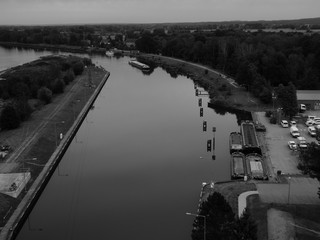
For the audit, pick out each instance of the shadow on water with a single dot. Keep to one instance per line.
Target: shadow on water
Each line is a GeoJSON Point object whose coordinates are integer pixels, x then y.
{"type": "Point", "coordinates": [241, 114]}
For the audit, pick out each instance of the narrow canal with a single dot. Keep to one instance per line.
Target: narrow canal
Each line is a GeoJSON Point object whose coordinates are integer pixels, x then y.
{"type": "Point", "coordinates": [137, 163]}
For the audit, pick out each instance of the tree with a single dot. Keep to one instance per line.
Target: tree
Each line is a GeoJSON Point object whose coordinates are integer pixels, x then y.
{"type": "Point", "coordinates": [22, 108]}
{"type": "Point", "coordinates": [58, 86]}
{"type": "Point", "coordinates": [147, 44]}
{"type": "Point", "coordinates": [78, 68]}
{"type": "Point", "coordinates": [287, 97]}
{"type": "Point", "coordinates": [219, 219]}
{"type": "Point", "coordinates": [246, 229]}
{"type": "Point", "coordinates": [45, 95]}
{"type": "Point", "coordinates": [69, 77]}
{"type": "Point", "coordinates": [9, 118]}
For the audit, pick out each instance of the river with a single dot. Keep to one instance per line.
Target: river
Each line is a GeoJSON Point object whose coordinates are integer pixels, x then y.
{"type": "Point", "coordinates": [137, 163]}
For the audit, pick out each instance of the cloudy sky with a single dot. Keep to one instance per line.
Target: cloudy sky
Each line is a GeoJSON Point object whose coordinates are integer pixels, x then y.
{"type": "Point", "coordinates": [151, 11]}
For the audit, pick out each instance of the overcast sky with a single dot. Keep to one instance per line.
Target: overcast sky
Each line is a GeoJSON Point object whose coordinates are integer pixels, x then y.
{"type": "Point", "coordinates": [151, 11]}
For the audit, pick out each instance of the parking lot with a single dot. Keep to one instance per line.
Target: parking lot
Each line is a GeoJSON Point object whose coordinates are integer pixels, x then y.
{"type": "Point", "coordinates": [280, 157]}
{"type": "Point", "coordinates": [276, 141]}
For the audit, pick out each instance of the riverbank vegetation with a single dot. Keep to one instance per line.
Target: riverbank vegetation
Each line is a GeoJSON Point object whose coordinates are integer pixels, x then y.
{"type": "Point", "coordinates": [259, 61]}
{"type": "Point", "coordinates": [24, 88]}
{"type": "Point", "coordinates": [220, 223]}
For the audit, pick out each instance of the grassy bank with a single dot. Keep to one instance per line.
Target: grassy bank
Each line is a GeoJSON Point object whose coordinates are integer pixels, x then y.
{"type": "Point", "coordinates": [223, 92]}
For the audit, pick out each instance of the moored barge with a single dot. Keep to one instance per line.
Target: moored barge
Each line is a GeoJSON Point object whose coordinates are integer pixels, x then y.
{"type": "Point", "coordinates": [141, 66]}
{"type": "Point", "coordinates": [255, 167]}
{"type": "Point", "coordinates": [235, 142]}
{"type": "Point", "coordinates": [249, 138]}
{"type": "Point", "coordinates": [238, 165]}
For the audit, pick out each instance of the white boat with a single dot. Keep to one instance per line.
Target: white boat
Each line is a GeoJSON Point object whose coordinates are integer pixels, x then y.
{"type": "Point", "coordinates": [139, 65]}
{"type": "Point", "coordinates": [110, 53]}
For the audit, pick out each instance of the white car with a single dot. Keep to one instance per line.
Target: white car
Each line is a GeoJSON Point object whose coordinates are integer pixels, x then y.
{"type": "Point", "coordinates": [284, 123]}
{"type": "Point", "coordinates": [312, 131]}
{"type": "Point", "coordinates": [316, 121]}
{"type": "Point", "coordinates": [309, 123]}
{"type": "Point", "coordinates": [292, 145]}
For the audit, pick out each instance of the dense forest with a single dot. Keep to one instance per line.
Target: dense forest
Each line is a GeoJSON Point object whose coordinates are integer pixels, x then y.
{"type": "Point", "coordinates": [260, 61]}
{"type": "Point", "coordinates": [40, 79]}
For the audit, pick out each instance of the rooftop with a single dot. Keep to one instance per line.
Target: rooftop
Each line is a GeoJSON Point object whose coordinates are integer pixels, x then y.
{"type": "Point", "coordinates": [308, 94]}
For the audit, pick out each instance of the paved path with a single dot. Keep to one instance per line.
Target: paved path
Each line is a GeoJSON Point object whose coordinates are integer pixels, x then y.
{"type": "Point", "coordinates": [242, 201]}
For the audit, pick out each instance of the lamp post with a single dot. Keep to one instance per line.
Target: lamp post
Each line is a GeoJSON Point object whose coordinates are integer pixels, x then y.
{"type": "Point", "coordinates": [289, 180]}
{"type": "Point", "coordinates": [204, 224]}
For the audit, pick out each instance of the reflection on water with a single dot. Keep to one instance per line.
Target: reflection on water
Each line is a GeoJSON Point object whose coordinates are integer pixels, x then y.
{"type": "Point", "coordinates": [138, 162]}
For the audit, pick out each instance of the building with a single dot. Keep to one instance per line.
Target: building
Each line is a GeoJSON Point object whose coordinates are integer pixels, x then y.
{"type": "Point", "coordinates": [311, 98]}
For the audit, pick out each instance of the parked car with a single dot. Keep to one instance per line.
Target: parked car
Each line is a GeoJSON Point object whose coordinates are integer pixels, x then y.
{"type": "Point", "coordinates": [309, 123]}
{"type": "Point", "coordinates": [293, 123]}
{"type": "Point", "coordinates": [312, 131]}
{"type": "Point", "coordinates": [260, 127]}
{"type": "Point", "coordinates": [302, 144]}
{"type": "Point", "coordinates": [284, 123]}
{"type": "Point", "coordinates": [316, 121]}
{"type": "Point", "coordinates": [292, 145]}
{"type": "Point", "coordinates": [5, 148]}
{"type": "Point", "coordinates": [294, 131]}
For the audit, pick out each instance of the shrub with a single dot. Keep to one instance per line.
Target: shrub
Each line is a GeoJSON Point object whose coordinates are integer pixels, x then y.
{"type": "Point", "coordinates": [45, 95]}
{"type": "Point", "coordinates": [273, 120]}
{"type": "Point", "coordinates": [58, 86]}
{"type": "Point", "coordinates": [9, 118]}
{"type": "Point", "coordinates": [69, 77]}
{"type": "Point", "coordinates": [268, 114]}
{"type": "Point", "coordinates": [23, 109]}
{"type": "Point", "coordinates": [87, 61]}
{"type": "Point", "coordinates": [78, 68]}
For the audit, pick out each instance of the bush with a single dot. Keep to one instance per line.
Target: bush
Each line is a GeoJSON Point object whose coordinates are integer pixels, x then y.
{"type": "Point", "coordinates": [69, 77]}
{"type": "Point", "coordinates": [78, 68]}
{"type": "Point", "coordinates": [58, 86]}
{"type": "Point", "coordinates": [273, 120]}
{"type": "Point", "coordinates": [268, 114]}
{"type": "Point", "coordinates": [45, 95]}
{"type": "Point", "coordinates": [23, 109]}
{"type": "Point", "coordinates": [87, 61]}
{"type": "Point", "coordinates": [9, 118]}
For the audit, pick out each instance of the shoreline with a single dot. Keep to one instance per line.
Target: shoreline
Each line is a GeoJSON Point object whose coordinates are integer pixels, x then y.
{"type": "Point", "coordinates": [79, 90]}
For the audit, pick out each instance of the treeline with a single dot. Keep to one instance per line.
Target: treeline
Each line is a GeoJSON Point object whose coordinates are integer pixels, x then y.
{"type": "Point", "coordinates": [217, 221]}
{"type": "Point", "coordinates": [260, 61]}
{"type": "Point", "coordinates": [41, 80]}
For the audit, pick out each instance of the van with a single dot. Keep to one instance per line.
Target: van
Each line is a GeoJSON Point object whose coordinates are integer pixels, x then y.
{"type": "Point", "coordinates": [303, 108]}
{"type": "Point", "coordinates": [294, 131]}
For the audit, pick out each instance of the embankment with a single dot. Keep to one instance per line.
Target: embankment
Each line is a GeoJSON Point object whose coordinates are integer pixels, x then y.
{"type": "Point", "coordinates": [19, 216]}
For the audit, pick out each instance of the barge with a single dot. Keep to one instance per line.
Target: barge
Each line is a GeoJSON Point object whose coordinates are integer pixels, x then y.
{"type": "Point", "coordinates": [235, 142]}
{"type": "Point", "coordinates": [255, 167]}
{"type": "Point", "coordinates": [139, 65]}
{"type": "Point", "coordinates": [249, 138]}
{"type": "Point", "coordinates": [238, 165]}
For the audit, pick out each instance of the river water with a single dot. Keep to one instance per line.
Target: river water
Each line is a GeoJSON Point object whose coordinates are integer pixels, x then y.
{"type": "Point", "coordinates": [137, 163]}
